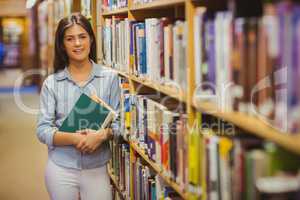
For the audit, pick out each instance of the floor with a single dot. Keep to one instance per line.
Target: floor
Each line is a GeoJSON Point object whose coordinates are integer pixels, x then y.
{"type": "Point", "coordinates": [22, 157]}
{"type": "Point", "coordinates": [9, 77]}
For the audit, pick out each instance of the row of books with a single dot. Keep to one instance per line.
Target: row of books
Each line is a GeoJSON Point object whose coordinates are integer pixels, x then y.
{"type": "Point", "coordinates": [245, 169]}
{"type": "Point", "coordinates": [116, 195]}
{"type": "Point", "coordinates": [109, 5]}
{"type": "Point", "coordinates": [156, 48]}
{"type": "Point", "coordinates": [149, 185]}
{"type": "Point", "coordinates": [161, 133]}
{"type": "Point", "coordinates": [236, 168]}
{"type": "Point", "coordinates": [116, 38]}
{"type": "Point", "coordinates": [251, 64]}
{"type": "Point", "coordinates": [142, 1]}
{"type": "Point", "coordinates": [146, 185]}
{"type": "Point", "coordinates": [86, 8]}
{"type": "Point", "coordinates": [120, 164]}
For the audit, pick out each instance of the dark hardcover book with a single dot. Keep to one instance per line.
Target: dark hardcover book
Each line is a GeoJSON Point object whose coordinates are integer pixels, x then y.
{"type": "Point", "coordinates": [88, 114]}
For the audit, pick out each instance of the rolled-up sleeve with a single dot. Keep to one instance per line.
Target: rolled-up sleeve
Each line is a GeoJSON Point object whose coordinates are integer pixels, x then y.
{"type": "Point", "coordinates": [115, 94]}
{"type": "Point", "coordinates": [45, 123]}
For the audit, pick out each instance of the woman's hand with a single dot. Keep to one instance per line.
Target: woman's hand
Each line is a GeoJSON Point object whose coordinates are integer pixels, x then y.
{"type": "Point", "coordinates": [92, 140]}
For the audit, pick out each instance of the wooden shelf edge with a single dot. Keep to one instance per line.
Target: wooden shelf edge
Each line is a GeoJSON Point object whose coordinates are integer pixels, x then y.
{"type": "Point", "coordinates": [156, 4]}
{"type": "Point", "coordinates": [254, 126]}
{"type": "Point", "coordinates": [124, 74]}
{"type": "Point", "coordinates": [158, 170]}
{"type": "Point", "coordinates": [169, 91]}
{"type": "Point", "coordinates": [115, 12]}
{"type": "Point", "coordinates": [113, 178]}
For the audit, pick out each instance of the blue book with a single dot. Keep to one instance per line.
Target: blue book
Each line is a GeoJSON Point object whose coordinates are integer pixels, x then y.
{"type": "Point", "coordinates": [141, 51]}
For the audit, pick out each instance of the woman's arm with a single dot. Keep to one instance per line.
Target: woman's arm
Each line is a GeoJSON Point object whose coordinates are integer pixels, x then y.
{"type": "Point", "coordinates": [93, 140]}
{"type": "Point", "coordinates": [63, 138]}
{"type": "Point", "coordinates": [47, 132]}
{"type": "Point", "coordinates": [46, 117]}
{"type": "Point", "coordinates": [114, 101]}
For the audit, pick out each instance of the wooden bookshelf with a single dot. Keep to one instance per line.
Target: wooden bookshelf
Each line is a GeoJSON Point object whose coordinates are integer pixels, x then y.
{"type": "Point", "coordinates": [165, 89]}
{"type": "Point", "coordinates": [115, 12]}
{"type": "Point", "coordinates": [115, 182]}
{"type": "Point", "coordinates": [121, 73]}
{"type": "Point", "coordinates": [158, 170]}
{"type": "Point", "coordinates": [254, 126]}
{"type": "Point", "coordinates": [157, 4]}
{"type": "Point", "coordinates": [248, 123]}
{"type": "Point", "coordinates": [168, 90]}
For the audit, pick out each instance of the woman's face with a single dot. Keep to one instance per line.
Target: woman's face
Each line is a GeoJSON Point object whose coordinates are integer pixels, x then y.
{"type": "Point", "coordinates": [77, 43]}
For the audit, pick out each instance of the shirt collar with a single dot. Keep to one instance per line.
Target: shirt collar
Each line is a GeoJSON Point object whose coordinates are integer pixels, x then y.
{"type": "Point", "coordinates": [65, 74]}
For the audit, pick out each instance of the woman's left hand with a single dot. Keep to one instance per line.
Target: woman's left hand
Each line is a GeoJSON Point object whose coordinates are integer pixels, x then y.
{"type": "Point", "coordinates": [93, 140]}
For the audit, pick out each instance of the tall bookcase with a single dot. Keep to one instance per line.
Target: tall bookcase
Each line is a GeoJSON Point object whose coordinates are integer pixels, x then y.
{"type": "Point", "coordinates": [186, 9]}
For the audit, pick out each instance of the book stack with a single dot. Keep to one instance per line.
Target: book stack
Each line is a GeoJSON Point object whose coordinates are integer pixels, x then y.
{"type": "Point", "coordinates": [251, 64]}
{"type": "Point", "coordinates": [157, 51]}
{"type": "Point", "coordinates": [86, 9]}
{"type": "Point", "coordinates": [120, 165]}
{"type": "Point", "coordinates": [128, 43]}
{"type": "Point", "coordinates": [162, 134]}
{"type": "Point", "coordinates": [136, 2]}
{"type": "Point", "coordinates": [236, 167]}
{"type": "Point", "coordinates": [149, 186]}
{"type": "Point", "coordinates": [116, 43]}
{"type": "Point", "coordinates": [109, 5]}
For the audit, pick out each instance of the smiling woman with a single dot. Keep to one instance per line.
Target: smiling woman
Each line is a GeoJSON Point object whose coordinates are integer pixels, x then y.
{"type": "Point", "coordinates": [77, 161]}
{"type": "Point", "coordinates": [73, 33]}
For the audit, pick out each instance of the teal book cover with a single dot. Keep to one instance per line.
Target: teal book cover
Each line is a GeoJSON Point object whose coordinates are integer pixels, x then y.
{"type": "Point", "coordinates": [87, 114]}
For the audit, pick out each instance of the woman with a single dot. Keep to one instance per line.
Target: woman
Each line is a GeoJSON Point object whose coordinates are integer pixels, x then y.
{"type": "Point", "coordinates": [76, 161]}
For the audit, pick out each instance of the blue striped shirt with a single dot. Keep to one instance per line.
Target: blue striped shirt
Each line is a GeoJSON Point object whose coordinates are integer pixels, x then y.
{"type": "Point", "coordinates": [58, 96]}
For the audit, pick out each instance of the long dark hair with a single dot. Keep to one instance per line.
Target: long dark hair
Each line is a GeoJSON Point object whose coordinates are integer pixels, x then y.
{"type": "Point", "coordinates": [61, 59]}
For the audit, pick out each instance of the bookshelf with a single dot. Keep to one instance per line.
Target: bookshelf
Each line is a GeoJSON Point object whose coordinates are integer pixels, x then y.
{"type": "Point", "coordinates": [115, 12]}
{"type": "Point", "coordinates": [157, 4]}
{"type": "Point", "coordinates": [113, 178]}
{"type": "Point", "coordinates": [249, 124]}
{"type": "Point", "coordinates": [158, 170]}
{"type": "Point", "coordinates": [254, 126]}
{"type": "Point", "coordinates": [170, 91]}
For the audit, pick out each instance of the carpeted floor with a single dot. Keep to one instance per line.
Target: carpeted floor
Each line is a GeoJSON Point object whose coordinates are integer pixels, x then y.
{"type": "Point", "coordinates": [22, 157]}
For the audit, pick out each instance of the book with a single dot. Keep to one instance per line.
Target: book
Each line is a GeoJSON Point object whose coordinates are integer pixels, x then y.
{"type": "Point", "coordinates": [88, 113]}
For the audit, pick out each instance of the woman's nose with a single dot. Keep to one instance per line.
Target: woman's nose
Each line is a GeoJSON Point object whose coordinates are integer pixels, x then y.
{"type": "Point", "coordinates": [77, 41]}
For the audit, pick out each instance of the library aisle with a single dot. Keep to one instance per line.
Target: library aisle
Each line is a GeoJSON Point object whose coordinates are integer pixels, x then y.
{"type": "Point", "coordinates": [22, 157]}
{"type": "Point", "coordinates": [206, 91]}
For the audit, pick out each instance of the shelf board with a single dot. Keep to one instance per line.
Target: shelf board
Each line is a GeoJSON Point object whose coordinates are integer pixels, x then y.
{"type": "Point", "coordinates": [114, 180]}
{"type": "Point", "coordinates": [115, 12]}
{"type": "Point", "coordinates": [121, 73]}
{"type": "Point", "coordinates": [168, 90]}
{"type": "Point", "coordinates": [156, 4]}
{"type": "Point", "coordinates": [254, 126]}
{"type": "Point", "coordinates": [158, 170]}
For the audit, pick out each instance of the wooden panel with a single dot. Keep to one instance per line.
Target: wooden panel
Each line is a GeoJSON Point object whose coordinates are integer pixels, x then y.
{"type": "Point", "coordinates": [13, 8]}
{"type": "Point", "coordinates": [157, 4]}
{"type": "Point", "coordinates": [254, 126]}
{"type": "Point", "coordinates": [76, 6]}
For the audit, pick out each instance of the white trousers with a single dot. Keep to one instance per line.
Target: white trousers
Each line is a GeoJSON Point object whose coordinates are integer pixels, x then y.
{"type": "Point", "coordinates": [68, 184]}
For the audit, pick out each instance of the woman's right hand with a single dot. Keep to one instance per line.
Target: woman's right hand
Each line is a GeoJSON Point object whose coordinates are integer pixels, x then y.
{"type": "Point", "coordinates": [78, 139]}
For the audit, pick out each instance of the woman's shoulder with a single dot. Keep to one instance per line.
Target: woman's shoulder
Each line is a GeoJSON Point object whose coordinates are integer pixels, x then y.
{"type": "Point", "coordinates": [51, 79]}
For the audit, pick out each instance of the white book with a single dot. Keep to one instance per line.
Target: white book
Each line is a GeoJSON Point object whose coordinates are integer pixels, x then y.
{"type": "Point", "coordinates": [198, 29]}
